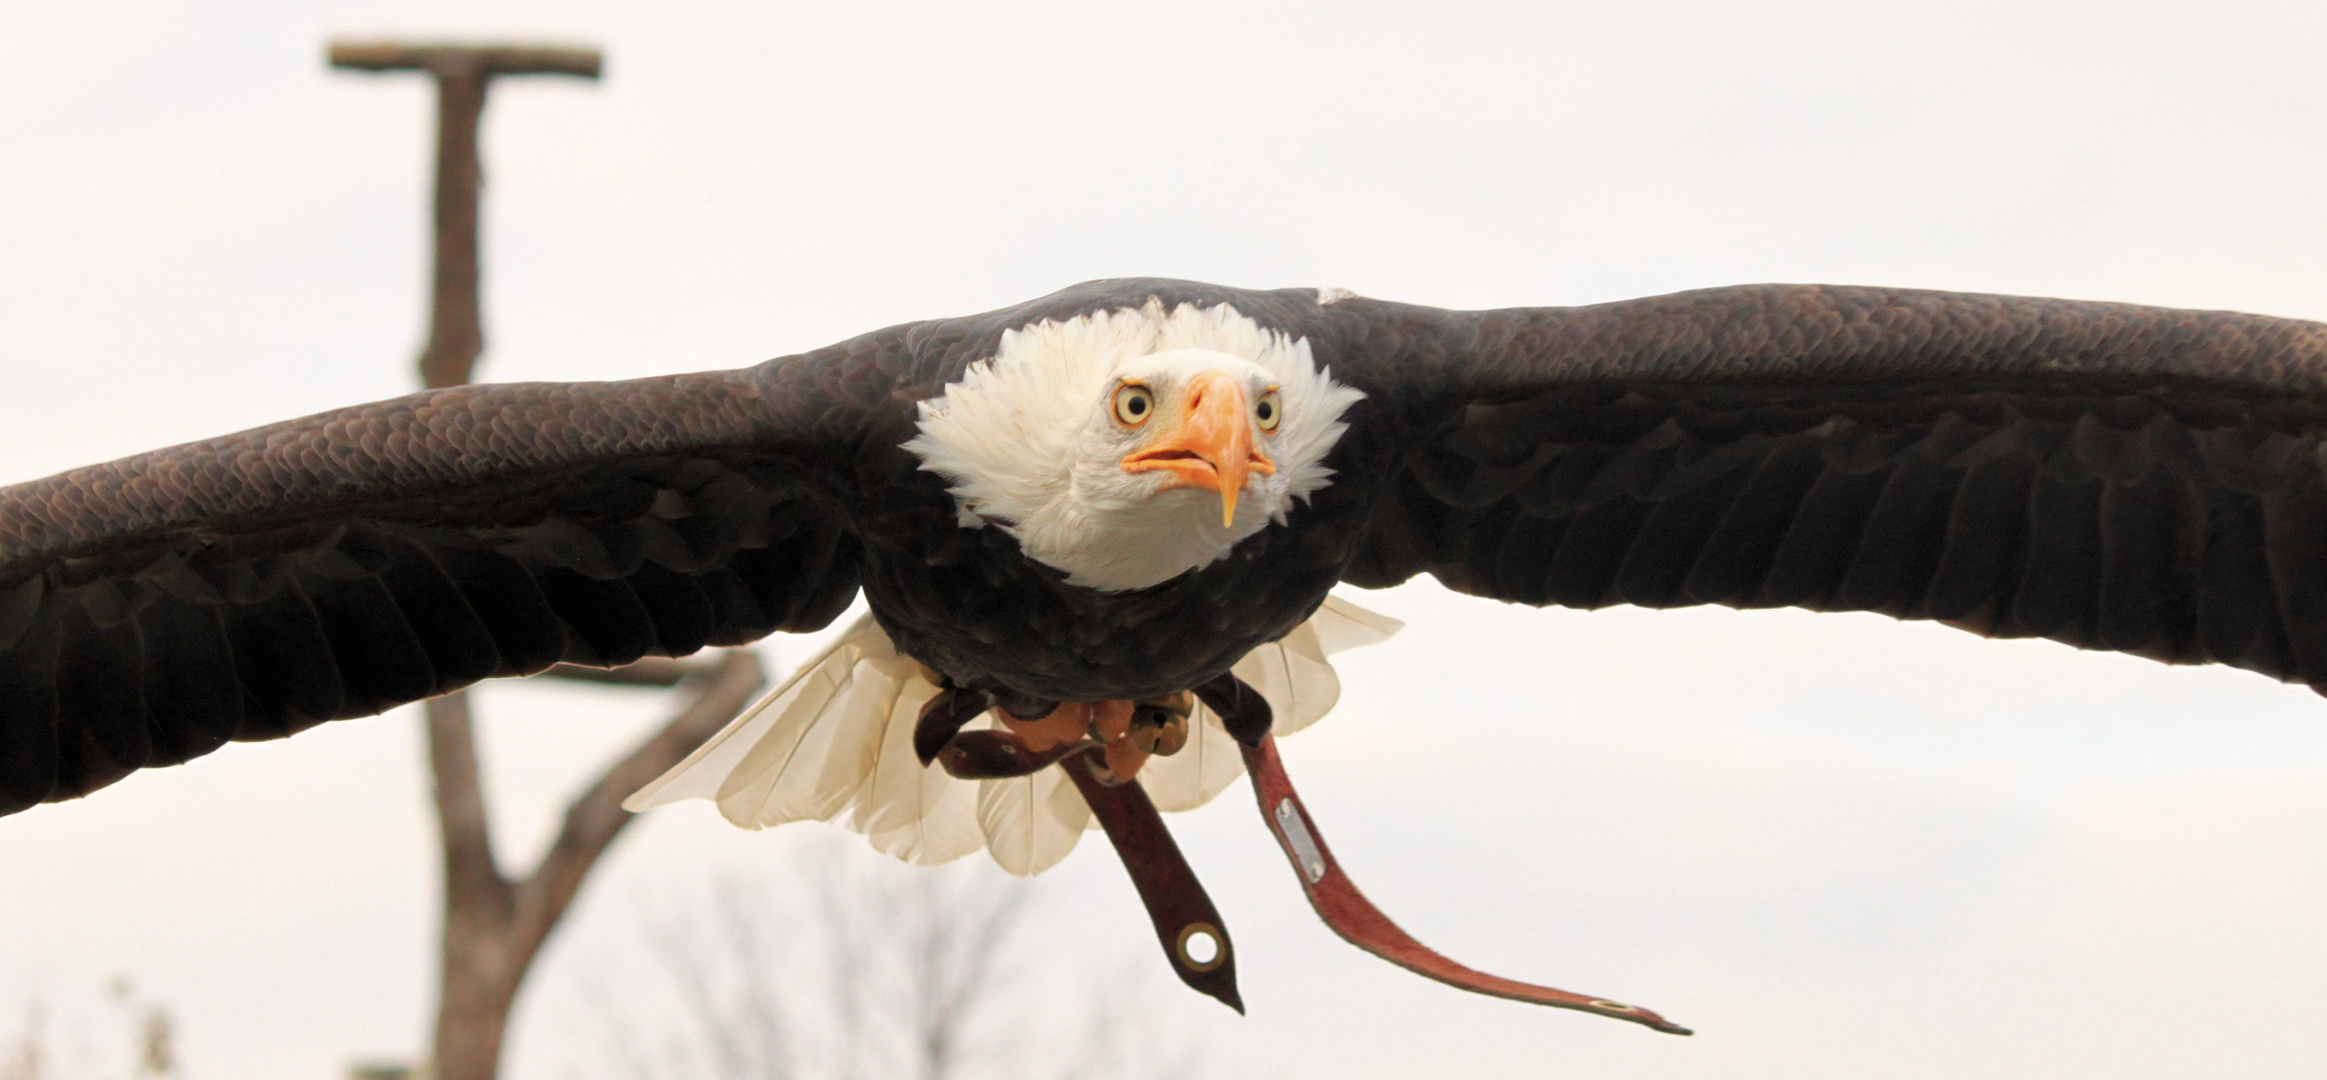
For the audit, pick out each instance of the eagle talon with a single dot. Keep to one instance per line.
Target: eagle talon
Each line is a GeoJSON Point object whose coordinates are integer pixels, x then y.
{"type": "Point", "coordinates": [1125, 734]}
{"type": "Point", "coordinates": [1107, 777]}
{"type": "Point", "coordinates": [1160, 725]}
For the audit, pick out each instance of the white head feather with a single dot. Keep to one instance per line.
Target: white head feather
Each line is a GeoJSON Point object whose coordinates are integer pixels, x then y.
{"type": "Point", "coordinates": [1027, 440]}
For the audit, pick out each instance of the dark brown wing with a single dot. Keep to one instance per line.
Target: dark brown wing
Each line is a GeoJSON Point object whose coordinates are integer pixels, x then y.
{"type": "Point", "coordinates": [251, 586]}
{"type": "Point", "coordinates": [2137, 479]}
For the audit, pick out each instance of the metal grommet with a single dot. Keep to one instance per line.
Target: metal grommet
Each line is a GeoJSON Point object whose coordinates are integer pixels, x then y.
{"type": "Point", "coordinates": [1188, 960]}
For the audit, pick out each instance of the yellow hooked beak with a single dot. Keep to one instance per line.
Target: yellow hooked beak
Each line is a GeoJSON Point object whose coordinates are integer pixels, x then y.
{"type": "Point", "coordinates": [1210, 444]}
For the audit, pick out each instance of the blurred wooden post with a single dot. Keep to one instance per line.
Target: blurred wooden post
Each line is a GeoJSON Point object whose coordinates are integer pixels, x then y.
{"type": "Point", "coordinates": [495, 925]}
{"type": "Point", "coordinates": [456, 333]}
{"type": "Point", "coordinates": [379, 1070]}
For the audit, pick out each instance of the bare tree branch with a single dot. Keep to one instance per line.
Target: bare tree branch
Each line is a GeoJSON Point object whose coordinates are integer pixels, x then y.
{"type": "Point", "coordinates": [470, 871]}
{"type": "Point", "coordinates": [596, 816]}
{"type": "Point", "coordinates": [479, 974]}
{"type": "Point", "coordinates": [652, 671]}
{"type": "Point", "coordinates": [493, 927]}
{"type": "Point", "coordinates": [829, 962]}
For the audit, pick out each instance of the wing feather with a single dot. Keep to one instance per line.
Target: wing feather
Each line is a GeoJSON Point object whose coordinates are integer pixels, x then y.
{"type": "Point", "coordinates": [255, 585]}
{"type": "Point", "coordinates": [2138, 479]}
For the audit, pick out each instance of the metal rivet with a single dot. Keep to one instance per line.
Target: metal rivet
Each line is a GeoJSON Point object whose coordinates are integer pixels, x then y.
{"type": "Point", "coordinates": [1296, 834]}
{"type": "Point", "coordinates": [1202, 929]}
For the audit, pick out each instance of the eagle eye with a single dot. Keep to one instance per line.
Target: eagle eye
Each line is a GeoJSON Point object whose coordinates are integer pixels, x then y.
{"type": "Point", "coordinates": [1133, 404]}
{"type": "Point", "coordinates": [1269, 410]}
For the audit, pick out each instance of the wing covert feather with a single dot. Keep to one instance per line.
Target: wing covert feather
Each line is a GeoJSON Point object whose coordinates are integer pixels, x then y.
{"type": "Point", "coordinates": [252, 586]}
{"type": "Point", "coordinates": [2144, 480]}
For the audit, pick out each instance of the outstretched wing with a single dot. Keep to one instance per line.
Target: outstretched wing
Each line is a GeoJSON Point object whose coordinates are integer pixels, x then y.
{"type": "Point", "coordinates": [2137, 479]}
{"type": "Point", "coordinates": [248, 587]}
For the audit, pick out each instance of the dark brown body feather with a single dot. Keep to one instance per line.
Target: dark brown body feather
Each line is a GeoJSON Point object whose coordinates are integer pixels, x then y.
{"type": "Point", "coordinates": [2114, 477]}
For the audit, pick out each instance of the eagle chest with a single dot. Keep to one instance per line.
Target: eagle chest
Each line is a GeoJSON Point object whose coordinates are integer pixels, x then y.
{"type": "Point", "coordinates": [970, 604]}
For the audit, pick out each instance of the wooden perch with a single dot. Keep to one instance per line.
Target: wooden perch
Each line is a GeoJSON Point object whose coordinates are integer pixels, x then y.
{"type": "Point", "coordinates": [652, 671]}
{"type": "Point", "coordinates": [441, 58]}
{"type": "Point", "coordinates": [456, 334]}
{"type": "Point", "coordinates": [494, 924]}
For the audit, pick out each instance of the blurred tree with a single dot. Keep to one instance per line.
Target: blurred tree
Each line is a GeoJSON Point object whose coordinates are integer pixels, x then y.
{"type": "Point", "coordinates": [875, 970]}
{"type": "Point", "coordinates": [139, 1041]}
{"type": "Point", "coordinates": [909, 970]}
{"type": "Point", "coordinates": [26, 1057]}
{"type": "Point", "coordinates": [494, 923]}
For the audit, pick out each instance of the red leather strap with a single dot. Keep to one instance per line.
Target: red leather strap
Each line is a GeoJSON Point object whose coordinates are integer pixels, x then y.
{"type": "Point", "coordinates": [1175, 900]}
{"type": "Point", "coordinates": [1362, 924]}
{"type": "Point", "coordinates": [992, 755]}
{"type": "Point", "coordinates": [944, 715]}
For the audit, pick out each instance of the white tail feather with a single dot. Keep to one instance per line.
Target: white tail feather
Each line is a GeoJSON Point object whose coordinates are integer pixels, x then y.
{"type": "Point", "coordinates": [780, 778]}
{"type": "Point", "coordinates": [917, 814]}
{"type": "Point", "coordinates": [834, 742]}
{"type": "Point", "coordinates": [702, 774]}
{"type": "Point", "coordinates": [1342, 625]}
{"type": "Point", "coordinates": [1295, 678]}
{"type": "Point", "coordinates": [1300, 685]}
{"type": "Point", "coordinates": [1031, 822]}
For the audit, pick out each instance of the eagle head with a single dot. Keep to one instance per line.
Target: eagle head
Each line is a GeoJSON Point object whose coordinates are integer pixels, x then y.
{"type": "Point", "coordinates": [1128, 447]}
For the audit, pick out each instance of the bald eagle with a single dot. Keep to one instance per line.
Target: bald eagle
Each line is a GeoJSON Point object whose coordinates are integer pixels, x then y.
{"type": "Point", "coordinates": [1097, 535]}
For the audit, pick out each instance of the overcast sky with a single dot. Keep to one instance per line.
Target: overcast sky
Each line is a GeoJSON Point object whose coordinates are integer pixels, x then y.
{"type": "Point", "coordinates": [1837, 846]}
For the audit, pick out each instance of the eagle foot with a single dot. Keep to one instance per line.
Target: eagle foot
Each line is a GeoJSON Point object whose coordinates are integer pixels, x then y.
{"type": "Point", "coordinates": [1160, 725]}
{"type": "Point", "coordinates": [1126, 734]}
